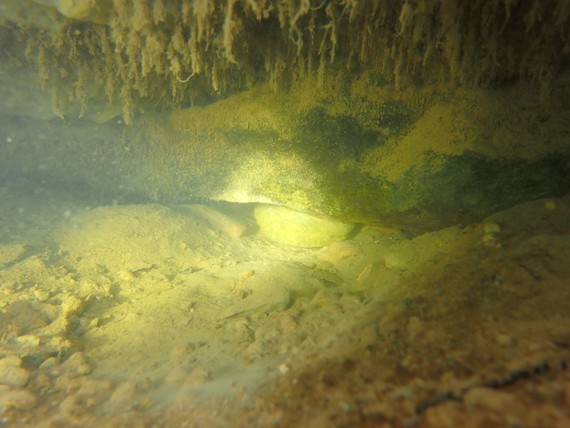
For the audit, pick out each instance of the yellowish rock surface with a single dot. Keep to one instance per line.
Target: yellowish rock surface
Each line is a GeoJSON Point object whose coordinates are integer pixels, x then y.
{"type": "Point", "coordinates": [290, 227]}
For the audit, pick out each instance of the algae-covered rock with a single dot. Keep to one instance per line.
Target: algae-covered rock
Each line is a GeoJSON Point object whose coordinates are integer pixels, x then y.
{"type": "Point", "coordinates": [298, 229]}
{"type": "Point", "coordinates": [380, 162]}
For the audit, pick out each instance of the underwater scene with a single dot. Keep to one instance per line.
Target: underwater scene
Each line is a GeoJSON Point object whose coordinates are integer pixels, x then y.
{"type": "Point", "coordinates": [284, 213]}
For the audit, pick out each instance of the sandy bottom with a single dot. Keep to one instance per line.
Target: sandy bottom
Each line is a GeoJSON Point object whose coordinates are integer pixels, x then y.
{"type": "Point", "coordinates": [150, 315]}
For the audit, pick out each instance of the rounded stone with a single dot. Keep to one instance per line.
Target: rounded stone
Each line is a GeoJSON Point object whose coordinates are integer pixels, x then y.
{"type": "Point", "coordinates": [11, 372]}
{"type": "Point", "coordinates": [290, 227]}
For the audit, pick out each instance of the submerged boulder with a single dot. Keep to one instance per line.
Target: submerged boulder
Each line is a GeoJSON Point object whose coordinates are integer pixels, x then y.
{"type": "Point", "coordinates": [367, 157]}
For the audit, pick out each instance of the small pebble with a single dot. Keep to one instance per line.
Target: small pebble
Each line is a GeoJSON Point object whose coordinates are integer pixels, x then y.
{"type": "Point", "coordinates": [122, 398]}
{"type": "Point", "coordinates": [246, 275]}
{"type": "Point", "coordinates": [18, 399]}
{"type": "Point", "coordinates": [75, 365]}
{"type": "Point", "coordinates": [41, 295]}
{"type": "Point", "coordinates": [504, 340]}
{"type": "Point", "coordinates": [490, 228]}
{"type": "Point", "coordinates": [70, 305]}
{"type": "Point", "coordinates": [550, 205]}
{"type": "Point", "coordinates": [126, 275]}
{"type": "Point", "coordinates": [11, 372]}
{"type": "Point", "coordinates": [415, 328]}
